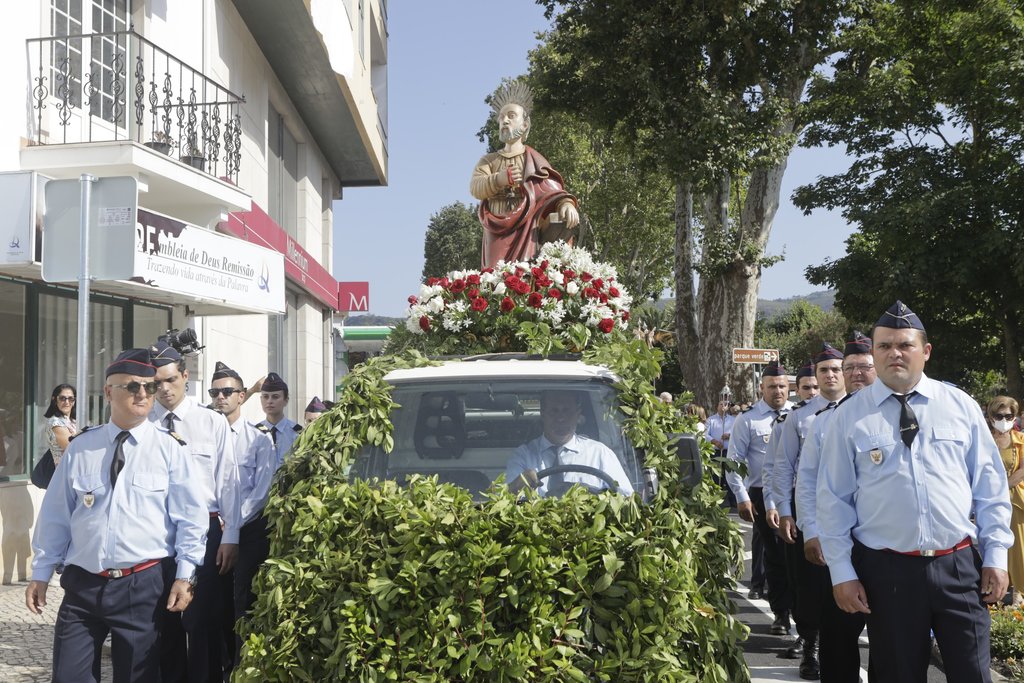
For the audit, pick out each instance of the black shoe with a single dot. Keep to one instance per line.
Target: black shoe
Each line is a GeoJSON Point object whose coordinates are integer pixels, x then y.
{"type": "Point", "coordinates": [809, 670]}
{"type": "Point", "coordinates": [794, 651]}
{"type": "Point", "coordinates": [756, 594]}
{"type": "Point", "coordinates": [780, 627]}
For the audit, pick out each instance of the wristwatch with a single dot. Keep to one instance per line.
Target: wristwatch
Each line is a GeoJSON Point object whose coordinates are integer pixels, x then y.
{"type": "Point", "coordinates": [192, 581]}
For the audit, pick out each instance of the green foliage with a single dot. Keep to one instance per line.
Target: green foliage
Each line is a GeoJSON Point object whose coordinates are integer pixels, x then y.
{"type": "Point", "coordinates": [1007, 633]}
{"type": "Point", "coordinates": [453, 240]}
{"type": "Point", "coordinates": [798, 331]}
{"type": "Point", "coordinates": [928, 97]}
{"type": "Point", "coordinates": [370, 582]}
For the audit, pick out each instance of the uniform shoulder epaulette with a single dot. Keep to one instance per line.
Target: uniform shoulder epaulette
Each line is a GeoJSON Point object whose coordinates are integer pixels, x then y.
{"type": "Point", "coordinates": [950, 384]}
{"type": "Point", "coordinates": [209, 406]}
{"type": "Point", "coordinates": [297, 428]}
{"type": "Point", "coordinates": [178, 438]}
{"type": "Point", "coordinates": [263, 428]}
{"type": "Point", "coordinates": [83, 430]}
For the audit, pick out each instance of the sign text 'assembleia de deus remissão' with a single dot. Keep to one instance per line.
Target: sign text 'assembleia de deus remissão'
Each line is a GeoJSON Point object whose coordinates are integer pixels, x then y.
{"type": "Point", "coordinates": [187, 259]}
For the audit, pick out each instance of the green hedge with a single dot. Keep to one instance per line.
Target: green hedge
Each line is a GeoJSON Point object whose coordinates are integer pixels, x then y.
{"type": "Point", "coordinates": [371, 582]}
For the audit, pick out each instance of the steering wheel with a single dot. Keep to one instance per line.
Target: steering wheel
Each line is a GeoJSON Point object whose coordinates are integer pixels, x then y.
{"type": "Point", "coordinates": [583, 469]}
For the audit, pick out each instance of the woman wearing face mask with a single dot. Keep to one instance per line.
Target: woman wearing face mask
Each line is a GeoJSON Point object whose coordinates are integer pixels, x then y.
{"type": "Point", "coordinates": [1001, 412]}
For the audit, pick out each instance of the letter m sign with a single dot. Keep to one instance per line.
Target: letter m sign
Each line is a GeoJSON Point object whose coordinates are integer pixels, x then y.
{"type": "Point", "coordinates": [354, 296]}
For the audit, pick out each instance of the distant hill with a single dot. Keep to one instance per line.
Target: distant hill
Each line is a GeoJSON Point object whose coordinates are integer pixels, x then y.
{"type": "Point", "coordinates": [371, 320]}
{"type": "Point", "coordinates": [825, 299]}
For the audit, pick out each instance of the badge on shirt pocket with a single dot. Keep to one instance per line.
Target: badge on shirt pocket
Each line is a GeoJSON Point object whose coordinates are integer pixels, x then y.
{"type": "Point", "coordinates": [766, 437]}
{"type": "Point", "coordinates": [88, 500]}
{"type": "Point", "coordinates": [876, 456]}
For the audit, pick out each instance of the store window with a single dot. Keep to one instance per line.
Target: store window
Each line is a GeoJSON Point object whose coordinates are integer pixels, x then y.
{"type": "Point", "coordinates": [283, 173]}
{"type": "Point", "coordinates": [12, 390]}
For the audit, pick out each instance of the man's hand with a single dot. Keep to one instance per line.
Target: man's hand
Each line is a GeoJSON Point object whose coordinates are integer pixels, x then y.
{"type": "Point", "coordinates": [227, 554]}
{"type": "Point", "coordinates": [772, 517]}
{"type": "Point", "coordinates": [511, 174]}
{"type": "Point", "coordinates": [717, 444]}
{"type": "Point", "coordinates": [787, 529]}
{"type": "Point", "coordinates": [568, 214]}
{"type": "Point", "coordinates": [180, 597]}
{"type": "Point", "coordinates": [747, 511]}
{"type": "Point", "coordinates": [35, 596]}
{"type": "Point", "coordinates": [994, 583]}
{"type": "Point", "coordinates": [812, 551]}
{"type": "Point", "coordinates": [850, 597]}
{"type": "Point", "coordinates": [527, 478]}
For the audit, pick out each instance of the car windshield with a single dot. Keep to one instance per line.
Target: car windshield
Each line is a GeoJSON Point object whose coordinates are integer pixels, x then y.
{"type": "Point", "coordinates": [470, 432]}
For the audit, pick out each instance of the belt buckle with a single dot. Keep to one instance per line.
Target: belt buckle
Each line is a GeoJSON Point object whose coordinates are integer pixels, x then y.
{"type": "Point", "coordinates": [115, 573]}
{"type": "Point", "coordinates": [927, 553]}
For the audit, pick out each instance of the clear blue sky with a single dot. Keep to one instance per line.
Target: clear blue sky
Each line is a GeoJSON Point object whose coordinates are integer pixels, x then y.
{"type": "Point", "coordinates": [444, 57]}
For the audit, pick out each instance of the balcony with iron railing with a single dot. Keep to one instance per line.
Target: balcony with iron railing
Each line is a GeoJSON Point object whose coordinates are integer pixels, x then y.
{"type": "Point", "coordinates": [118, 102]}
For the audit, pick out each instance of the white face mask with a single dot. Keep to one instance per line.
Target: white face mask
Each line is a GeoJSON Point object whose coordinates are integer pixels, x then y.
{"type": "Point", "coordinates": [1002, 426]}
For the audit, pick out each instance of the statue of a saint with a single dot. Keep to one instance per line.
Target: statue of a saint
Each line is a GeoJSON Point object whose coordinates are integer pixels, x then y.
{"type": "Point", "coordinates": [523, 202]}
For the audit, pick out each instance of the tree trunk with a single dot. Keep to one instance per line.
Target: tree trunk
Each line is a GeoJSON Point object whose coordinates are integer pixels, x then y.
{"type": "Point", "coordinates": [687, 347]}
{"type": "Point", "coordinates": [1011, 351]}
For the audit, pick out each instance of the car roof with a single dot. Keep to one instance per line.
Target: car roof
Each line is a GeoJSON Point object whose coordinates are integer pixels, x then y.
{"type": "Point", "coordinates": [504, 369]}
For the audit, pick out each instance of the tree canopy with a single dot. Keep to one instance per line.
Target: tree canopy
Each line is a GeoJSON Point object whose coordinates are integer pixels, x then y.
{"type": "Point", "coordinates": [452, 241]}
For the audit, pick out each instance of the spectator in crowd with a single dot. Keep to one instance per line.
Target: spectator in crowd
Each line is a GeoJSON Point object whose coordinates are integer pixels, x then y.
{"type": "Point", "coordinates": [123, 516]}
{"type": "Point", "coordinates": [665, 397]}
{"type": "Point", "coordinates": [749, 445]}
{"type": "Point", "coordinates": [697, 411]}
{"type": "Point", "coordinates": [719, 430]}
{"type": "Point", "coordinates": [61, 420]}
{"type": "Point", "coordinates": [910, 480]}
{"type": "Point", "coordinates": [193, 644]}
{"type": "Point", "coordinates": [1001, 413]}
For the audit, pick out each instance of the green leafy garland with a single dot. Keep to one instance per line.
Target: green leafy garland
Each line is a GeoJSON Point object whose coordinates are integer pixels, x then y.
{"type": "Point", "coordinates": [371, 582]}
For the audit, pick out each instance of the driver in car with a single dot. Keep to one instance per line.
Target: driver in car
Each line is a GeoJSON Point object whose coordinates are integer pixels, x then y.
{"type": "Point", "coordinates": [560, 445]}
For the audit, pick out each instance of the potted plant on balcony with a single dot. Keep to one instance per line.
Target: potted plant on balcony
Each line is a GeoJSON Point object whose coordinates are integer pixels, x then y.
{"type": "Point", "coordinates": [193, 154]}
{"type": "Point", "coordinates": [161, 142]}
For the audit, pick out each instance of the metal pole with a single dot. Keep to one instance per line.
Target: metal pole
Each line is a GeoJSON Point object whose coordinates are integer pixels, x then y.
{"type": "Point", "coordinates": [82, 376]}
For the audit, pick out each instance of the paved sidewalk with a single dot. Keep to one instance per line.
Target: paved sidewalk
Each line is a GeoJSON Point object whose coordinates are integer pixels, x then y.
{"type": "Point", "coordinates": [26, 643]}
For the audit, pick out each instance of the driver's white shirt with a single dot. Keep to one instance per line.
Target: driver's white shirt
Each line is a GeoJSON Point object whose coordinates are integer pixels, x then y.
{"type": "Point", "coordinates": [540, 454]}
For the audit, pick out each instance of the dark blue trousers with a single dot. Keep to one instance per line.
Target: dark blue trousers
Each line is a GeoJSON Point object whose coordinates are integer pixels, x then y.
{"type": "Point", "coordinates": [131, 609]}
{"type": "Point", "coordinates": [253, 548]}
{"type": "Point", "coordinates": [780, 593]}
{"type": "Point", "coordinates": [191, 642]}
{"type": "Point", "coordinates": [839, 641]}
{"type": "Point", "coordinates": [909, 596]}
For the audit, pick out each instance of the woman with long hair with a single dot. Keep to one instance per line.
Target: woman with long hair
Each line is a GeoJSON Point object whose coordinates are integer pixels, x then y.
{"type": "Point", "coordinates": [1001, 412]}
{"type": "Point", "coordinates": [61, 422]}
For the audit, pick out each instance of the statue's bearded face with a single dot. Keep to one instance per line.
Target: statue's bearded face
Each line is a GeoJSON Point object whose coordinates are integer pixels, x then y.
{"type": "Point", "coordinates": [512, 123]}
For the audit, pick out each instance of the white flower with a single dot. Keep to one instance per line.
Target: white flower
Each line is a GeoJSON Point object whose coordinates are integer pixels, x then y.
{"type": "Point", "coordinates": [499, 289]}
{"type": "Point", "coordinates": [572, 288]}
{"type": "Point", "coordinates": [436, 305]}
{"type": "Point", "coordinates": [413, 324]}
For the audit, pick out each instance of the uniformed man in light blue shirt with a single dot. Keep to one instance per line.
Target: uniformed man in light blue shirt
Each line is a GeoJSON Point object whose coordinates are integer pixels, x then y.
{"type": "Point", "coordinates": [199, 657]}
{"type": "Point", "coordinates": [257, 463]}
{"type": "Point", "coordinates": [282, 430]}
{"type": "Point", "coordinates": [914, 512]}
{"type": "Point", "coordinates": [123, 518]}
{"type": "Point", "coordinates": [749, 444]}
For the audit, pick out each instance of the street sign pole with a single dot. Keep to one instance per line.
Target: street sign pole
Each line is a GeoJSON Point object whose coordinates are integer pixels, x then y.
{"type": "Point", "coordinates": [82, 376]}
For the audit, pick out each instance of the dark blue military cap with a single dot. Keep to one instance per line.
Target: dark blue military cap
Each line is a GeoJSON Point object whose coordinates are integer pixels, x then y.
{"type": "Point", "coordinates": [805, 371]}
{"type": "Point", "coordinates": [162, 354]}
{"type": "Point", "coordinates": [900, 317]}
{"type": "Point", "coordinates": [132, 362]}
{"type": "Point", "coordinates": [315, 406]}
{"type": "Point", "coordinates": [828, 352]}
{"type": "Point", "coordinates": [857, 343]}
{"type": "Point", "coordinates": [774, 369]}
{"type": "Point", "coordinates": [273, 382]}
{"type": "Point", "coordinates": [222, 371]}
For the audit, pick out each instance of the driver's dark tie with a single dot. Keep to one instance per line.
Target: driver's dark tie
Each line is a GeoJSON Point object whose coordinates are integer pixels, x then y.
{"type": "Point", "coordinates": [556, 481]}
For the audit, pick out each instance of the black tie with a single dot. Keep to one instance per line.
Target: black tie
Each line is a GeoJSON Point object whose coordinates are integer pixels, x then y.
{"type": "Point", "coordinates": [273, 434]}
{"type": "Point", "coordinates": [117, 464]}
{"type": "Point", "coordinates": [908, 421]}
{"type": "Point", "coordinates": [169, 421]}
{"type": "Point", "coordinates": [831, 404]}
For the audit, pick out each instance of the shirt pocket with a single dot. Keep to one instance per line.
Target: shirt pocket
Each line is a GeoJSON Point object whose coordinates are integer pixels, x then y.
{"type": "Point", "coordinates": [948, 448]}
{"type": "Point", "coordinates": [203, 456]}
{"type": "Point", "coordinates": [878, 455]}
{"type": "Point", "coordinates": [89, 487]}
{"type": "Point", "coordinates": [150, 482]}
{"type": "Point", "coordinates": [761, 437]}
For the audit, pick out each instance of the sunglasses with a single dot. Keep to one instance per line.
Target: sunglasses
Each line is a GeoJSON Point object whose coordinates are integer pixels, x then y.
{"type": "Point", "coordinates": [133, 387]}
{"type": "Point", "coordinates": [1003, 416]}
{"type": "Point", "coordinates": [225, 392]}
{"type": "Point", "coordinates": [66, 399]}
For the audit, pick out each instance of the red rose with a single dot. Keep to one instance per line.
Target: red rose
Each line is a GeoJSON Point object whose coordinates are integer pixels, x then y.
{"type": "Point", "coordinates": [479, 304]}
{"type": "Point", "coordinates": [544, 264]}
{"type": "Point", "coordinates": [586, 277]}
{"type": "Point", "coordinates": [555, 293]}
{"type": "Point", "coordinates": [535, 300]}
{"type": "Point", "coordinates": [473, 279]}
{"type": "Point", "coordinates": [487, 270]}
{"type": "Point", "coordinates": [458, 286]}
{"type": "Point", "coordinates": [603, 297]}
{"type": "Point", "coordinates": [472, 292]}
{"type": "Point", "coordinates": [542, 282]}
{"type": "Point", "coordinates": [520, 271]}
{"type": "Point", "coordinates": [511, 281]}
{"type": "Point", "coordinates": [412, 299]}
{"type": "Point", "coordinates": [590, 293]}
{"type": "Point", "coordinates": [598, 283]}
{"type": "Point", "coordinates": [431, 281]}
{"type": "Point", "coordinates": [444, 282]}
{"type": "Point", "coordinates": [625, 316]}
{"type": "Point", "coordinates": [537, 272]}
{"type": "Point", "coordinates": [507, 305]}
{"type": "Point", "coordinates": [613, 291]}
{"type": "Point", "coordinates": [606, 325]}
{"type": "Point", "coordinates": [520, 287]}
{"type": "Point", "coordinates": [424, 323]}
{"type": "Point", "coordinates": [568, 274]}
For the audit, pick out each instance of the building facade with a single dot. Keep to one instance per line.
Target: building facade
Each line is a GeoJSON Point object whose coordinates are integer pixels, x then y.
{"type": "Point", "coordinates": [237, 123]}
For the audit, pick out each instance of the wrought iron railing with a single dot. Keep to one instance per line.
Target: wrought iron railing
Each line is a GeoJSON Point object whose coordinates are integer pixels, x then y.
{"type": "Point", "coordinates": [101, 87]}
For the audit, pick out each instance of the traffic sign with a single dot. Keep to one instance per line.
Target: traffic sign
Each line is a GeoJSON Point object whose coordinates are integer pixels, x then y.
{"type": "Point", "coordinates": [758, 356]}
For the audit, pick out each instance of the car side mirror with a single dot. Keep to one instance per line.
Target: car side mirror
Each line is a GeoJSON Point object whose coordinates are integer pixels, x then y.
{"type": "Point", "coordinates": [691, 464]}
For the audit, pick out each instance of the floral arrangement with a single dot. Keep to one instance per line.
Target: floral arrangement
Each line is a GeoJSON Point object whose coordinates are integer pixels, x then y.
{"type": "Point", "coordinates": [563, 288]}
